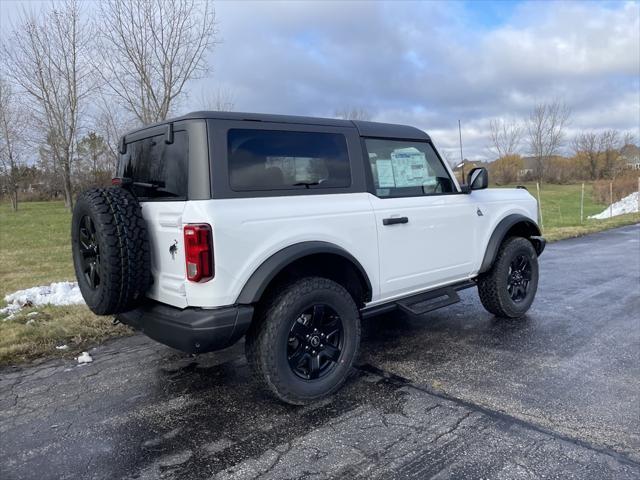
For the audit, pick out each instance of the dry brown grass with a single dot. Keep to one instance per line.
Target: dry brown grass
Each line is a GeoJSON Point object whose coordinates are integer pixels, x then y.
{"type": "Point", "coordinates": [35, 333]}
{"type": "Point", "coordinates": [620, 188]}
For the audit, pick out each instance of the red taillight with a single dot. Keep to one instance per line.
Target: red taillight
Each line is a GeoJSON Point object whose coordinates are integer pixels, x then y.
{"type": "Point", "coordinates": [116, 181]}
{"type": "Point", "coordinates": [198, 249]}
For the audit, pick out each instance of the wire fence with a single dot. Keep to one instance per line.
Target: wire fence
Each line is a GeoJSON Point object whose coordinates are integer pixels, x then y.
{"type": "Point", "coordinates": [586, 202]}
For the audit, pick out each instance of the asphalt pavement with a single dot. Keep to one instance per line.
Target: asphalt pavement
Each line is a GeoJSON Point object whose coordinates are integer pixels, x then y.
{"type": "Point", "coordinates": [455, 394]}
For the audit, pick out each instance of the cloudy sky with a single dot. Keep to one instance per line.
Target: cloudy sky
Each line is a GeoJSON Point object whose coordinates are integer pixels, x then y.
{"type": "Point", "coordinates": [429, 64]}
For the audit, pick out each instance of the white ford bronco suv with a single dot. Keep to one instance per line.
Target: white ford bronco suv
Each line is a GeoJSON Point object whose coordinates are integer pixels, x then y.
{"type": "Point", "coordinates": [288, 231]}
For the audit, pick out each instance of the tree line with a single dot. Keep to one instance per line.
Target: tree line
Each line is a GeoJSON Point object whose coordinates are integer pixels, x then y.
{"type": "Point", "coordinates": [73, 81]}
{"type": "Point", "coordinates": [530, 149]}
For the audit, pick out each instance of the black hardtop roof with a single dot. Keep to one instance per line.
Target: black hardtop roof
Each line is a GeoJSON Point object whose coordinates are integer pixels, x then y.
{"type": "Point", "coordinates": [366, 129]}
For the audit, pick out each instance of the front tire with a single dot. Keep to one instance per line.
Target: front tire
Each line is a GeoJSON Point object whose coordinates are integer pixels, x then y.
{"type": "Point", "coordinates": [508, 289]}
{"type": "Point", "coordinates": [304, 343]}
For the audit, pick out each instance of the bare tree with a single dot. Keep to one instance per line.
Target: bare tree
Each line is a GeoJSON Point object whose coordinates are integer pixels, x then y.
{"type": "Point", "coordinates": [47, 57]}
{"type": "Point", "coordinates": [628, 138]}
{"type": "Point", "coordinates": [220, 100]}
{"type": "Point", "coordinates": [610, 146]}
{"type": "Point", "coordinates": [353, 113]}
{"type": "Point", "coordinates": [12, 140]}
{"type": "Point", "coordinates": [111, 122]}
{"type": "Point", "coordinates": [587, 144]}
{"type": "Point", "coordinates": [151, 49]}
{"type": "Point", "coordinates": [545, 128]}
{"type": "Point", "coordinates": [506, 136]}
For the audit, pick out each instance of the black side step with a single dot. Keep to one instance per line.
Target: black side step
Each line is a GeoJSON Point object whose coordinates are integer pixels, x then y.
{"type": "Point", "coordinates": [426, 302]}
{"type": "Point", "coordinates": [421, 303]}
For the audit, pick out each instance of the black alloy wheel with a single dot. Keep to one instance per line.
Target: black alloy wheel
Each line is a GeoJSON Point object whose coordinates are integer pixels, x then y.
{"type": "Point", "coordinates": [304, 340]}
{"type": "Point", "coordinates": [508, 289]}
{"type": "Point", "coordinates": [519, 278]}
{"type": "Point", "coordinates": [315, 342]}
{"type": "Point", "coordinates": [110, 250]}
{"type": "Point", "coordinates": [90, 251]}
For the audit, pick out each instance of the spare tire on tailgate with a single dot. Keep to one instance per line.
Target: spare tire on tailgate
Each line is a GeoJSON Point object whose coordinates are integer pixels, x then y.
{"type": "Point", "coordinates": [110, 250]}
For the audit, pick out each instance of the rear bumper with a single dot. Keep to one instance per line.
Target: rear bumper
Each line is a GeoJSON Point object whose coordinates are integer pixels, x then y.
{"type": "Point", "coordinates": [192, 330]}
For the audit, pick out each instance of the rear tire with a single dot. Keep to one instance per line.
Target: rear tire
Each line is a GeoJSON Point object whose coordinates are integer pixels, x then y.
{"type": "Point", "coordinates": [110, 250]}
{"type": "Point", "coordinates": [303, 344]}
{"type": "Point", "coordinates": [508, 289]}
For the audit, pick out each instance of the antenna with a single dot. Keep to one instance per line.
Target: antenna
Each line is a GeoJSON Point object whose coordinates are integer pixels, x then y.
{"type": "Point", "coordinates": [461, 158]}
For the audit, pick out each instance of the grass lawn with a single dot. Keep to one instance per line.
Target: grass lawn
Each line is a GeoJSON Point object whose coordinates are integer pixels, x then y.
{"type": "Point", "coordinates": [561, 212]}
{"type": "Point", "coordinates": [35, 250]}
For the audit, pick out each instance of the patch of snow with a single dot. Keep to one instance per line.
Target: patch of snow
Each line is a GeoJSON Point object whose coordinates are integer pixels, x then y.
{"type": "Point", "coordinates": [10, 310]}
{"type": "Point", "coordinates": [32, 314]}
{"type": "Point", "coordinates": [85, 358]}
{"type": "Point", "coordinates": [30, 322]}
{"type": "Point", "coordinates": [58, 293]}
{"type": "Point", "coordinates": [628, 204]}
{"type": "Point", "coordinates": [62, 347]}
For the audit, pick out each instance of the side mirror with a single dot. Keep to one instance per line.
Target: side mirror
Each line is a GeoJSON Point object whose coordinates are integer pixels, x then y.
{"type": "Point", "coordinates": [478, 179]}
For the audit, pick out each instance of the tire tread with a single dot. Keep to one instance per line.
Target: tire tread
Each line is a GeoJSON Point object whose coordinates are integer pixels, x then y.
{"type": "Point", "coordinates": [491, 295]}
{"type": "Point", "coordinates": [262, 336]}
{"type": "Point", "coordinates": [124, 250]}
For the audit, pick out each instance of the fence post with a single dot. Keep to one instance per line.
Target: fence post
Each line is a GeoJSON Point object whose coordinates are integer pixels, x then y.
{"type": "Point", "coordinates": [582, 204]}
{"type": "Point", "coordinates": [610, 199]}
{"type": "Point", "coordinates": [539, 206]}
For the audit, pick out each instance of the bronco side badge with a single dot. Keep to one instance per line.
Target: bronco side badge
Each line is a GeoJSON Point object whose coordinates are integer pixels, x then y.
{"type": "Point", "coordinates": [173, 249]}
{"type": "Point", "coordinates": [479, 212]}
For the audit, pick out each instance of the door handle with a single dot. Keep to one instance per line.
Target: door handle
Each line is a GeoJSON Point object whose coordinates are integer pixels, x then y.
{"type": "Point", "coordinates": [394, 220]}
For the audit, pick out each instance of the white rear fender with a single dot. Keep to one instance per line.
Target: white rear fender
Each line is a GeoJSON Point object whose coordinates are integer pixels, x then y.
{"type": "Point", "coordinates": [247, 232]}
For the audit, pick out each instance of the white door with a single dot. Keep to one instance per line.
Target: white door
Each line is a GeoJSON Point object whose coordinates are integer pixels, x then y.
{"type": "Point", "coordinates": [426, 229]}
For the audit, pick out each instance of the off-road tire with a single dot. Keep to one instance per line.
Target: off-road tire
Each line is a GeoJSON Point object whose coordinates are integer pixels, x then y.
{"type": "Point", "coordinates": [124, 256]}
{"type": "Point", "coordinates": [492, 285]}
{"type": "Point", "coordinates": [266, 341]}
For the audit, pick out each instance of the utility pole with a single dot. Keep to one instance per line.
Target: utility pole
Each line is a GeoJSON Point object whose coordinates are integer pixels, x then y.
{"type": "Point", "coordinates": [461, 158]}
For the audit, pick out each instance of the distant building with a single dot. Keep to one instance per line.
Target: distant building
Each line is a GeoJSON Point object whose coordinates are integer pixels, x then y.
{"type": "Point", "coordinates": [468, 166]}
{"type": "Point", "coordinates": [630, 154]}
{"type": "Point", "coordinates": [528, 168]}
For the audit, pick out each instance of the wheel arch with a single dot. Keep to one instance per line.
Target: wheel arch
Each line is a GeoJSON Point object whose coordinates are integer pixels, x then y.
{"type": "Point", "coordinates": [334, 261]}
{"type": "Point", "coordinates": [512, 225]}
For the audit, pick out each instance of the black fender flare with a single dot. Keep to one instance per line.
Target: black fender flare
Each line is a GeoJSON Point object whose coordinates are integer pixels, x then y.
{"type": "Point", "coordinates": [528, 227]}
{"type": "Point", "coordinates": [267, 271]}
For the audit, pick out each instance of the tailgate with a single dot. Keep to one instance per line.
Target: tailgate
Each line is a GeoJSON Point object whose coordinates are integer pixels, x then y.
{"type": "Point", "coordinates": [164, 224]}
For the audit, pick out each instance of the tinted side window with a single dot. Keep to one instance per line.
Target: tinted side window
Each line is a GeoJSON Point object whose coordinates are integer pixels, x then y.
{"type": "Point", "coordinates": [284, 160]}
{"type": "Point", "coordinates": [405, 168]}
{"type": "Point", "coordinates": [163, 167]}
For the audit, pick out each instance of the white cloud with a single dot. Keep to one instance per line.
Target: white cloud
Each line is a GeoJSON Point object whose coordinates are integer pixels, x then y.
{"type": "Point", "coordinates": [429, 64]}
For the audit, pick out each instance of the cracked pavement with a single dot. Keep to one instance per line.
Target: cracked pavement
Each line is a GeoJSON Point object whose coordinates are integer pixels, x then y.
{"type": "Point", "coordinates": [456, 394]}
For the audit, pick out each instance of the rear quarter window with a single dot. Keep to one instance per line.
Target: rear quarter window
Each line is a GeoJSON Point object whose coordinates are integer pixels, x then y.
{"type": "Point", "coordinates": [286, 160]}
{"type": "Point", "coordinates": [164, 168]}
